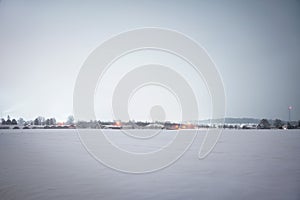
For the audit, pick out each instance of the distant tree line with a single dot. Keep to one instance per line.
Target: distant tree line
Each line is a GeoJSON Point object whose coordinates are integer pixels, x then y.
{"type": "Point", "coordinates": [8, 121]}
{"type": "Point", "coordinates": [37, 121]}
{"type": "Point", "coordinates": [70, 122]}
{"type": "Point", "coordinates": [278, 124]}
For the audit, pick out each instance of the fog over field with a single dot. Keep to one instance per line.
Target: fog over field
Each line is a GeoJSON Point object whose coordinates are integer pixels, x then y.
{"type": "Point", "coordinates": [245, 164]}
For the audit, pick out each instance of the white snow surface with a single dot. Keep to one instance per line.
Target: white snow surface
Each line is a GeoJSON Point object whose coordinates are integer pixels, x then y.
{"type": "Point", "coordinates": [245, 164]}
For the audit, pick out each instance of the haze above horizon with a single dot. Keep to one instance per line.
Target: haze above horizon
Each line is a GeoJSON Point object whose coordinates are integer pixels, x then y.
{"type": "Point", "coordinates": [255, 46]}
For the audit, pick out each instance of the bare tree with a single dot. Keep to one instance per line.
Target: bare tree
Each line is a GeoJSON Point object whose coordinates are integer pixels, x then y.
{"type": "Point", "coordinates": [21, 121]}
{"type": "Point", "coordinates": [70, 120]}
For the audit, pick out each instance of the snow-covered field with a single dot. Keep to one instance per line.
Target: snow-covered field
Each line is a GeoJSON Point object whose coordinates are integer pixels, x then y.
{"type": "Point", "coordinates": [246, 164]}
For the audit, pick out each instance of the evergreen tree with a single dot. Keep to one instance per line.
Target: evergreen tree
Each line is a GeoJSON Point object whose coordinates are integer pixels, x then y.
{"type": "Point", "coordinates": [278, 123]}
{"type": "Point", "coordinates": [264, 124]}
{"type": "Point", "coordinates": [14, 122]}
{"type": "Point", "coordinates": [36, 122]}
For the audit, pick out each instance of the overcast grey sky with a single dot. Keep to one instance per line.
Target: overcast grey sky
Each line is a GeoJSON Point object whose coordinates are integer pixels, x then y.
{"type": "Point", "coordinates": [255, 45]}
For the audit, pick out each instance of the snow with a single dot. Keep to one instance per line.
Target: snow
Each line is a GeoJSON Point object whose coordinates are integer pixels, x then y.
{"type": "Point", "coordinates": [246, 164]}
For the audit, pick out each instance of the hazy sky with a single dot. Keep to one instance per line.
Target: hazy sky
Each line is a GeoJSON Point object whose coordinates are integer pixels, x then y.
{"type": "Point", "coordinates": [255, 45]}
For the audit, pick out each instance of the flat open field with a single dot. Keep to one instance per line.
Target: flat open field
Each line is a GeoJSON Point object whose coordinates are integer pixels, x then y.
{"type": "Point", "coordinates": [245, 164]}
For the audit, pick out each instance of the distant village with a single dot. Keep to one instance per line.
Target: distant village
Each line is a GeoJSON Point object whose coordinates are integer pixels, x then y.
{"type": "Point", "coordinates": [70, 123]}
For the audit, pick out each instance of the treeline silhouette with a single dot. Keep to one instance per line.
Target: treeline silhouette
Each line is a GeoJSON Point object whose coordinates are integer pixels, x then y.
{"type": "Point", "coordinates": [48, 123]}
